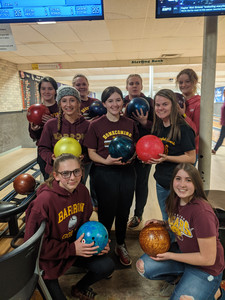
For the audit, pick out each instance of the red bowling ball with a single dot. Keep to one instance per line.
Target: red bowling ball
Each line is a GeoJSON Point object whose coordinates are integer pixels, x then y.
{"type": "Point", "coordinates": [35, 113]}
{"type": "Point", "coordinates": [24, 184]}
{"type": "Point", "coordinates": [148, 147]}
{"type": "Point", "coordinates": [154, 239]}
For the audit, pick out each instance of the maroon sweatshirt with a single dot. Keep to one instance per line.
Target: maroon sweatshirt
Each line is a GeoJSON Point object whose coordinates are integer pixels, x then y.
{"type": "Point", "coordinates": [64, 213]}
{"type": "Point", "coordinates": [50, 137]}
{"type": "Point", "coordinates": [35, 135]}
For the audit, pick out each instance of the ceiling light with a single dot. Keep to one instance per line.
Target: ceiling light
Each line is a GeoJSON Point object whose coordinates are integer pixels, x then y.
{"type": "Point", "coordinates": [44, 23]}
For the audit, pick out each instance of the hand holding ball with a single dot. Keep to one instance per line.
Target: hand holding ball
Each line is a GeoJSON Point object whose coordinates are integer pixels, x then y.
{"type": "Point", "coordinates": [122, 146]}
{"type": "Point", "coordinates": [35, 113]}
{"type": "Point", "coordinates": [67, 145]}
{"type": "Point", "coordinates": [94, 232]}
{"type": "Point", "coordinates": [148, 147]}
{"type": "Point", "coordinates": [154, 239]}
{"type": "Point", "coordinates": [137, 104]}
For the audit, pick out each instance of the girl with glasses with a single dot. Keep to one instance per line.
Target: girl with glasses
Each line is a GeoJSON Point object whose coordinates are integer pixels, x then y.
{"type": "Point", "coordinates": [64, 204]}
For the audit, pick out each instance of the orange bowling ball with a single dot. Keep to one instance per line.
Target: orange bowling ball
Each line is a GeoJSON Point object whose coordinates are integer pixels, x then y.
{"type": "Point", "coordinates": [154, 239]}
{"type": "Point", "coordinates": [24, 184]}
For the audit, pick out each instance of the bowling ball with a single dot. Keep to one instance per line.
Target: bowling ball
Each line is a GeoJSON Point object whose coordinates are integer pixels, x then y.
{"type": "Point", "coordinates": [180, 99]}
{"type": "Point", "coordinates": [137, 104]}
{"type": "Point", "coordinates": [67, 145]}
{"type": "Point", "coordinates": [94, 232]}
{"type": "Point", "coordinates": [154, 239]}
{"type": "Point", "coordinates": [97, 109]}
{"type": "Point", "coordinates": [122, 146]}
{"type": "Point", "coordinates": [149, 146]}
{"type": "Point", "coordinates": [35, 113]}
{"type": "Point", "coordinates": [24, 184]}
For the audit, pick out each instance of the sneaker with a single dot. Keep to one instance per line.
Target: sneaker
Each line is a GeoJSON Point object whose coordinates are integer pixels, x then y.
{"type": "Point", "coordinates": [85, 294]}
{"type": "Point", "coordinates": [134, 222]}
{"type": "Point", "coordinates": [121, 251]}
{"type": "Point", "coordinates": [213, 151]}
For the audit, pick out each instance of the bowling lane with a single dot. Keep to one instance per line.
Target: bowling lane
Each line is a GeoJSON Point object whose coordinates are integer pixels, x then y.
{"type": "Point", "coordinates": [15, 160]}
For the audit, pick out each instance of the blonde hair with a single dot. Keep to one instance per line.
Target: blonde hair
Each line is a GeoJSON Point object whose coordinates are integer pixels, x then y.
{"type": "Point", "coordinates": [193, 77]}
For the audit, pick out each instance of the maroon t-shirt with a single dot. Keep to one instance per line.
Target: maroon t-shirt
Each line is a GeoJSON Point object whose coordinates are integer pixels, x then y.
{"type": "Point", "coordinates": [84, 107]}
{"type": "Point", "coordinates": [102, 131]}
{"type": "Point", "coordinates": [197, 220]}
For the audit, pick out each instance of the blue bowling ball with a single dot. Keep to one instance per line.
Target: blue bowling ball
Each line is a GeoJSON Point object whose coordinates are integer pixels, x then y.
{"type": "Point", "coordinates": [122, 146]}
{"type": "Point", "coordinates": [94, 232]}
{"type": "Point", "coordinates": [97, 109]}
{"type": "Point", "coordinates": [137, 104]}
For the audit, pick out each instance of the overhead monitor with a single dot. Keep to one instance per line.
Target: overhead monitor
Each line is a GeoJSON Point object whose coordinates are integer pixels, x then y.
{"type": "Point", "coordinates": [189, 8]}
{"type": "Point", "coordinates": [23, 11]}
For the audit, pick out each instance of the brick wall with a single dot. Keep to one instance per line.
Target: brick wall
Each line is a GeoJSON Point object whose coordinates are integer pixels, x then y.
{"type": "Point", "coordinates": [13, 121]}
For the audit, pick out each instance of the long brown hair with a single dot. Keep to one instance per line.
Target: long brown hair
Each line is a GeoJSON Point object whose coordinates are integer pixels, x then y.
{"type": "Point", "coordinates": [63, 157]}
{"type": "Point", "coordinates": [173, 200]}
{"type": "Point", "coordinates": [176, 120]}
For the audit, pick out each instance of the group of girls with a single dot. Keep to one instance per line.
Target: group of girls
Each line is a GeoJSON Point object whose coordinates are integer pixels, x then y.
{"type": "Point", "coordinates": [115, 182]}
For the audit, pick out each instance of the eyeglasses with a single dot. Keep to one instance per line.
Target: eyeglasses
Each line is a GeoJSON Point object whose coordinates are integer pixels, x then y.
{"type": "Point", "coordinates": [67, 174]}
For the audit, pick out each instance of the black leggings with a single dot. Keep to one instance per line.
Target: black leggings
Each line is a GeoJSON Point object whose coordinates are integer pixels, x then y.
{"type": "Point", "coordinates": [114, 187]}
{"type": "Point", "coordinates": [98, 267]}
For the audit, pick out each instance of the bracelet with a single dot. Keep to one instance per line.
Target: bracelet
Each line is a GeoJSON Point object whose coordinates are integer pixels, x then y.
{"type": "Point", "coordinates": [184, 115]}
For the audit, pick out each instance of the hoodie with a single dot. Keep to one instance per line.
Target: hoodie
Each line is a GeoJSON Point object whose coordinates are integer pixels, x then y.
{"type": "Point", "coordinates": [193, 116]}
{"type": "Point", "coordinates": [50, 136]}
{"type": "Point", "coordinates": [64, 213]}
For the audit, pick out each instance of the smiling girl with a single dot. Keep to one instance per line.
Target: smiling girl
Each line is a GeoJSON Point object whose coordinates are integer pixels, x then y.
{"type": "Point", "coordinates": [187, 81]}
{"type": "Point", "coordinates": [80, 82]}
{"type": "Point", "coordinates": [179, 141]}
{"type": "Point", "coordinates": [69, 123]}
{"type": "Point", "coordinates": [113, 180]}
{"type": "Point", "coordinates": [47, 89]}
{"type": "Point", "coordinates": [64, 204]}
{"type": "Point", "coordinates": [198, 256]}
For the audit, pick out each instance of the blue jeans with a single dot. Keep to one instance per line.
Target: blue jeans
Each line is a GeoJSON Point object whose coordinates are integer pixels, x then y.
{"type": "Point", "coordinates": [162, 194]}
{"type": "Point", "coordinates": [221, 138]}
{"type": "Point", "coordinates": [194, 282]}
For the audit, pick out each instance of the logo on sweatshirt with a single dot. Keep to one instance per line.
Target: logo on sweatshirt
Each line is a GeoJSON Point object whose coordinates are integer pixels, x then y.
{"type": "Point", "coordinates": [72, 223]}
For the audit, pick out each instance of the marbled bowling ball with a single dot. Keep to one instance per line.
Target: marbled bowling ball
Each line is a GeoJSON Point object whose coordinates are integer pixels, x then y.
{"type": "Point", "coordinates": [35, 113]}
{"type": "Point", "coordinates": [122, 146]}
{"type": "Point", "coordinates": [137, 103]}
{"type": "Point", "coordinates": [94, 232]}
{"type": "Point", "coordinates": [97, 109]}
{"type": "Point", "coordinates": [24, 184]}
{"type": "Point", "coordinates": [154, 239]}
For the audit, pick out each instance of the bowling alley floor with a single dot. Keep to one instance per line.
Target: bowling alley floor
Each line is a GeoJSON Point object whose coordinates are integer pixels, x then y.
{"type": "Point", "coordinates": [126, 283]}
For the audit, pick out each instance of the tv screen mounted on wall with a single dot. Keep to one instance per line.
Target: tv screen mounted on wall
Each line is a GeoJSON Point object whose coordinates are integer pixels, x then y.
{"type": "Point", "coordinates": [23, 11]}
{"type": "Point", "coordinates": [189, 8]}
